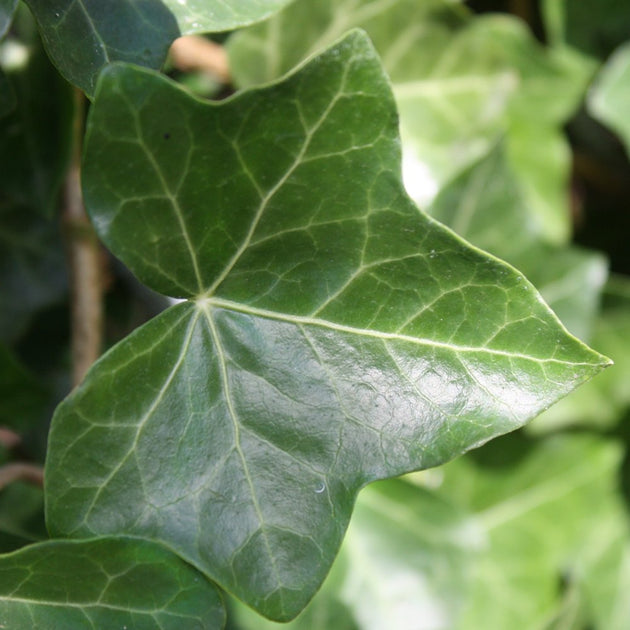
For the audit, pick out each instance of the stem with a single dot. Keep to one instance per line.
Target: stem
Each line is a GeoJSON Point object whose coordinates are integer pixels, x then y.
{"type": "Point", "coordinates": [21, 471]}
{"type": "Point", "coordinates": [198, 53]}
{"type": "Point", "coordinates": [85, 259]}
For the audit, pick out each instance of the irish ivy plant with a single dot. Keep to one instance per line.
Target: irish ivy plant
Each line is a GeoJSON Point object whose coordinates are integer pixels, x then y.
{"type": "Point", "coordinates": [323, 332]}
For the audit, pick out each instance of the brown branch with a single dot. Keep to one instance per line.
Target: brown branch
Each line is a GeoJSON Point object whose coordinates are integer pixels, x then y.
{"type": "Point", "coordinates": [8, 438]}
{"type": "Point", "coordinates": [198, 53]}
{"type": "Point", "coordinates": [21, 471]}
{"type": "Point", "coordinates": [85, 258]}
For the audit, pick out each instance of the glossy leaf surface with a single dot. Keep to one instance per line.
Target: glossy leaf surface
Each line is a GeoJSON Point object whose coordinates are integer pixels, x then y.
{"type": "Point", "coordinates": [107, 583]}
{"type": "Point", "coordinates": [461, 83]}
{"type": "Point", "coordinates": [82, 37]}
{"type": "Point", "coordinates": [405, 563]}
{"type": "Point", "coordinates": [609, 100]}
{"type": "Point", "coordinates": [334, 336]}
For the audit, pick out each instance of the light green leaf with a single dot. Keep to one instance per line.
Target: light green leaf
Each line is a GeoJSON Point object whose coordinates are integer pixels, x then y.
{"type": "Point", "coordinates": [535, 501]}
{"type": "Point", "coordinates": [334, 336]}
{"type": "Point", "coordinates": [82, 37]}
{"type": "Point", "coordinates": [609, 99]}
{"type": "Point", "coordinates": [106, 583]}
{"type": "Point", "coordinates": [461, 83]}
{"type": "Point", "coordinates": [7, 9]}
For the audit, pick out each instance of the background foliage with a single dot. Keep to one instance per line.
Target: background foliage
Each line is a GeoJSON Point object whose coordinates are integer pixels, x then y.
{"type": "Point", "coordinates": [515, 134]}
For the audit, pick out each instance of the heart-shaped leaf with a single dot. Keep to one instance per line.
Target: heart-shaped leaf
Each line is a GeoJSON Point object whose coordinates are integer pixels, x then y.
{"type": "Point", "coordinates": [82, 37]}
{"type": "Point", "coordinates": [334, 336]}
{"type": "Point", "coordinates": [106, 583]}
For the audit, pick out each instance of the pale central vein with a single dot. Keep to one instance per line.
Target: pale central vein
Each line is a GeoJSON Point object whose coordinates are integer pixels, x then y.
{"type": "Point", "coordinates": [237, 439]}
{"type": "Point", "coordinates": [302, 320]}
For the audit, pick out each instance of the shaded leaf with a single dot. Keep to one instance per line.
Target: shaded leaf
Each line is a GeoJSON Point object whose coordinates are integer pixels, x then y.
{"type": "Point", "coordinates": [460, 83]}
{"type": "Point", "coordinates": [107, 583]}
{"type": "Point", "coordinates": [82, 37]}
{"type": "Point", "coordinates": [35, 137]}
{"type": "Point", "coordinates": [22, 398]}
{"type": "Point", "coordinates": [593, 27]}
{"type": "Point", "coordinates": [609, 99]}
{"type": "Point", "coordinates": [21, 516]}
{"type": "Point", "coordinates": [7, 96]}
{"type": "Point", "coordinates": [32, 268]}
{"type": "Point", "coordinates": [334, 335]}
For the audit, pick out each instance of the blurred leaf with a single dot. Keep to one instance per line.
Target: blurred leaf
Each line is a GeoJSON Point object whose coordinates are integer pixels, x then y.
{"type": "Point", "coordinates": [7, 9]}
{"type": "Point", "coordinates": [535, 501]}
{"type": "Point", "coordinates": [461, 83]}
{"type": "Point", "coordinates": [106, 583]}
{"type": "Point", "coordinates": [7, 96]}
{"type": "Point", "coordinates": [609, 99]}
{"type": "Point", "coordinates": [486, 205]}
{"type": "Point", "coordinates": [334, 335]}
{"type": "Point", "coordinates": [35, 137]}
{"type": "Point", "coordinates": [594, 27]}
{"type": "Point", "coordinates": [83, 37]}
{"type": "Point", "coordinates": [21, 516]}
{"type": "Point", "coordinates": [32, 268]}
{"type": "Point", "coordinates": [22, 398]}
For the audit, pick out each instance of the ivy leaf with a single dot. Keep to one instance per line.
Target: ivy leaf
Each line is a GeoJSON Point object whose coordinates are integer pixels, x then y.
{"type": "Point", "coordinates": [333, 335]}
{"type": "Point", "coordinates": [609, 99]}
{"type": "Point", "coordinates": [82, 37]}
{"type": "Point", "coordinates": [461, 83]}
{"type": "Point", "coordinates": [106, 583]}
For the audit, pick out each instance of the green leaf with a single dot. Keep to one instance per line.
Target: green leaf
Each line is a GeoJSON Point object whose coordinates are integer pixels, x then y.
{"type": "Point", "coordinates": [404, 563]}
{"type": "Point", "coordinates": [486, 203]}
{"type": "Point", "coordinates": [461, 83]}
{"type": "Point", "coordinates": [107, 583]}
{"type": "Point", "coordinates": [35, 137]}
{"type": "Point", "coordinates": [7, 9]}
{"type": "Point", "coordinates": [593, 27]}
{"type": "Point", "coordinates": [609, 99]}
{"type": "Point", "coordinates": [535, 502]}
{"type": "Point", "coordinates": [7, 97]}
{"type": "Point", "coordinates": [83, 37]}
{"type": "Point", "coordinates": [334, 336]}
{"type": "Point", "coordinates": [603, 401]}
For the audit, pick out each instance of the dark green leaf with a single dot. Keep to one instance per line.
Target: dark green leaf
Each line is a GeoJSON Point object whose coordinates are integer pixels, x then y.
{"type": "Point", "coordinates": [7, 96]}
{"type": "Point", "coordinates": [82, 37]}
{"type": "Point", "coordinates": [593, 27]}
{"type": "Point", "coordinates": [335, 334]}
{"type": "Point", "coordinates": [609, 100]}
{"type": "Point", "coordinates": [107, 583]}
